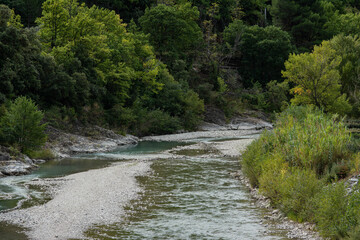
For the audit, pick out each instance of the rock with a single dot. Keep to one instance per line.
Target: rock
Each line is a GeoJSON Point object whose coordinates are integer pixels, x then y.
{"type": "Point", "coordinates": [85, 140]}
{"type": "Point", "coordinates": [38, 161]}
{"type": "Point", "coordinates": [4, 156]}
{"type": "Point", "coordinates": [15, 168]}
{"type": "Point", "coordinates": [28, 160]}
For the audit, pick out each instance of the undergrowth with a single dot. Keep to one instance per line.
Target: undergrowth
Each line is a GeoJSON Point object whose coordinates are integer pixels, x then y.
{"type": "Point", "coordinates": [300, 166]}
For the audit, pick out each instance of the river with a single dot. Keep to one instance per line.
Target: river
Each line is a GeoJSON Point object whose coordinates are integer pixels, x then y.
{"type": "Point", "coordinates": [191, 197]}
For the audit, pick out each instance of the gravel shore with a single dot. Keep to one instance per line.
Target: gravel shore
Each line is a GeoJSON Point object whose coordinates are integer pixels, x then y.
{"type": "Point", "coordinates": [83, 200]}
{"type": "Point", "coordinates": [186, 137]}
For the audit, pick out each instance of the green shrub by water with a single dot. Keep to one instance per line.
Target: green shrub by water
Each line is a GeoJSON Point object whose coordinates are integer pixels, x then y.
{"type": "Point", "coordinates": [299, 166]}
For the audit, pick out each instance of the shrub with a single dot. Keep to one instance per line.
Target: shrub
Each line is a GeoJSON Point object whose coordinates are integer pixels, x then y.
{"type": "Point", "coordinates": [274, 171]}
{"type": "Point", "coordinates": [294, 164]}
{"type": "Point", "coordinates": [312, 141]}
{"type": "Point", "coordinates": [297, 189]}
{"type": "Point", "coordinates": [44, 154]}
{"type": "Point", "coordinates": [337, 212]}
{"type": "Point", "coordinates": [255, 155]}
{"type": "Point", "coordinates": [158, 122]}
{"type": "Point", "coordinates": [21, 125]}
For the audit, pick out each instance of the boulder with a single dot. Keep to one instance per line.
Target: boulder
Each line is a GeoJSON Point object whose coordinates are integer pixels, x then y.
{"type": "Point", "coordinates": [15, 168]}
{"type": "Point", "coordinates": [4, 156]}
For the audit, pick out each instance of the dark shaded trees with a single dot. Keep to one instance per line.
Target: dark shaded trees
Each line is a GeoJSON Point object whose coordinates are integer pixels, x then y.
{"type": "Point", "coordinates": [259, 53]}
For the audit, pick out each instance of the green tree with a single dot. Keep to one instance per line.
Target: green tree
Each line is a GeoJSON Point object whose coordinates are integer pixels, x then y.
{"type": "Point", "coordinates": [54, 21]}
{"type": "Point", "coordinates": [348, 48]}
{"type": "Point", "coordinates": [259, 53]}
{"type": "Point", "coordinates": [317, 79]}
{"type": "Point", "coordinates": [29, 10]}
{"type": "Point", "coordinates": [22, 125]}
{"type": "Point", "coordinates": [348, 24]}
{"type": "Point", "coordinates": [95, 49]}
{"type": "Point", "coordinates": [128, 9]}
{"type": "Point", "coordinates": [173, 30]}
{"type": "Point", "coordinates": [303, 19]}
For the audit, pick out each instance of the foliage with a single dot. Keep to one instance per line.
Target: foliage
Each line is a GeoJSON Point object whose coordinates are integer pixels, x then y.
{"type": "Point", "coordinates": [337, 213]}
{"type": "Point", "coordinates": [291, 166]}
{"type": "Point", "coordinates": [172, 30]}
{"type": "Point", "coordinates": [348, 48]}
{"type": "Point", "coordinates": [304, 20]}
{"type": "Point", "coordinates": [347, 24]}
{"type": "Point", "coordinates": [277, 95]}
{"type": "Point", "coordinates": [28, 9]}
{"type": "Point", "coordinates": [154, 122]}
{"type": "Point", "coordinates": [307, 139]}
{"type": "Point", "coordinates": [128, 9]}
{"type": "Point", "coordinates": [43, 154]}
{"type": "Point", "coordinates": [260, 52]}
{"type": "Point", "coordinates": [317, 79]}
{"type": "Point", "coordinates": [22, 125]}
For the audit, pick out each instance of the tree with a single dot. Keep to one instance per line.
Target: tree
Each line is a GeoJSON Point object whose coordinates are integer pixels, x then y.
{"type": "Point", "coordinates": [128, 9]}
{"type": "Point", "coordinates": [173, 31]}
{"type": "Point", "coordinates": [317, 79]}
{"type": "Point", "coordinates": [22, 125]}
{"type": "Point", "coordinates": [303, 19]}
{"type": "Point", "coordinates": [95, 49]}
{"type": "Point", "coordinates": [20, 58]}
{"type": "Point", "coordinates": [348, 48]}
{"type": "Point", "coordinates": [28, 9]}
{"type": "Point", "coordinates": [348, 24]}
{"type": "Point", "coordinates": [259, 53]}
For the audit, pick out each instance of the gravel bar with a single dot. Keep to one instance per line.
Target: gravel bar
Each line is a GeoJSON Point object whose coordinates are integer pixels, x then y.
{"type": "Point", "coordinates": [83, 200]}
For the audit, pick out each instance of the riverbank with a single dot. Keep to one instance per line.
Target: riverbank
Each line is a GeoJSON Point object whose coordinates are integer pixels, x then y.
{"type": "Point", "coordinates": [63, 144]}
{"type": "Point", "coordinates": [82, 200]}
{"type": "Point", "coordinates": [93, 139]}
{"type": "Point", "coordinates": [234, 148]}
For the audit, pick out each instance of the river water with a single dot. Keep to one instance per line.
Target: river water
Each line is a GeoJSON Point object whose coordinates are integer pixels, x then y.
{"type": "Point", "coordinates": [189, 198]}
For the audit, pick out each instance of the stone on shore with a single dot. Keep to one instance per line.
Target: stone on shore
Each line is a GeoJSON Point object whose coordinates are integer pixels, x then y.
{"type": "Point", "coordinates": [15, 168]}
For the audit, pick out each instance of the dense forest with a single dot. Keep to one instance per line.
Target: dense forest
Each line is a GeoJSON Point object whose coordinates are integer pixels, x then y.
{"type": "Point", "coordinates": [127, 65]}
{"type": "Point", "coordinates": [156, 67]}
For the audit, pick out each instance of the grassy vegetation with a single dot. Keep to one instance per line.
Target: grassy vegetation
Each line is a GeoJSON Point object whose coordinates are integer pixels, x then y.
{"type": "Point", "coordinates": [301, 167]}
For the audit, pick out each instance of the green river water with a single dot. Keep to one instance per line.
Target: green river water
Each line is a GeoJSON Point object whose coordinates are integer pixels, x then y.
{"type": "Point", "coordinates": [192, 198]}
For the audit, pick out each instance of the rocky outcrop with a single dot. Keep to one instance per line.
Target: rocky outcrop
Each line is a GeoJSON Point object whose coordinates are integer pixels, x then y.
{"type": "Point", "coordinates": [215, 120]}
{"type": "Point", "coordinates": [238, 123]}
{"type": "Point", "coordinates": [13, 163]}
{"type": "Point", "coordinates": [352, 183]}
{"type": "Point", "coordinates": [4, 156]}
{"type": "Point", "coordinates": [16, 168]}
{"type": "Point", "coordinates": [62, 144]}
{"type": "Point", "coordinates": [87, 140]}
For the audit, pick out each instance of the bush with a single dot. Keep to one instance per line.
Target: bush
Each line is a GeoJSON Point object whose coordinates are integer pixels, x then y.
{"type": "Point", "coordinates": [21, 125]}
{"type": "Point", "coordinates": [297, 189]}
{"type": "Point", "coordinates": [158, 122]}
{"type": "Point", "coordinates": [337, 212]}
{"type": "Point", "coordinates": [255, 155]}
{"type": "Point", "coordinates": [294, 164]}
{"type": "Point", "coordinates": [274, 171]}
{"type": "Point", "coordinates": [312, 141]}
{"type": "Point", "coordinates": [44, 154]}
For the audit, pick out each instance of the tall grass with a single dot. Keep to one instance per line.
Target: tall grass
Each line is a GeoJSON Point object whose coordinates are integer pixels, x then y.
{"type": "Point", "coordinates": [296, 164]}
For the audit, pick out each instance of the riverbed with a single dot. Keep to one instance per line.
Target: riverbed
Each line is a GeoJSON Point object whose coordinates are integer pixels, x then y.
{"type": "Point", "coordinates": [155, 190]}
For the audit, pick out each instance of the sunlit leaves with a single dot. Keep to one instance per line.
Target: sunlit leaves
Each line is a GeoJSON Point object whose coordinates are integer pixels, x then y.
{"type": "Point", "coordinates": [317, 79]}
